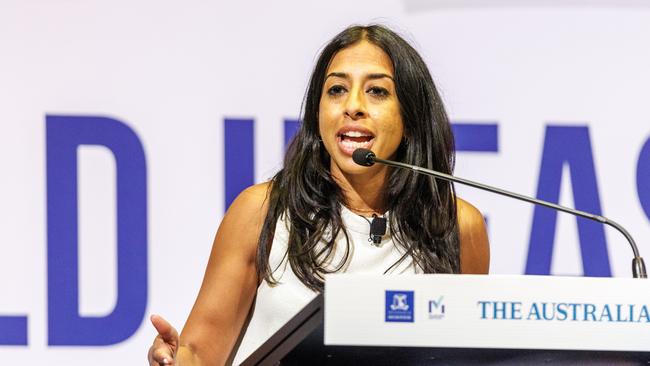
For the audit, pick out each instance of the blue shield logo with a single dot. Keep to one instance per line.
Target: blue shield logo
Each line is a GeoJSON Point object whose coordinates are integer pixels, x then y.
{"type": "Point", "coordinates": [399, 306]}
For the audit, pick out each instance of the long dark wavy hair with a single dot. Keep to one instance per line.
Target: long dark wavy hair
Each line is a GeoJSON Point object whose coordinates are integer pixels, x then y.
{"type": "Point", "coordinates": [423, 209]}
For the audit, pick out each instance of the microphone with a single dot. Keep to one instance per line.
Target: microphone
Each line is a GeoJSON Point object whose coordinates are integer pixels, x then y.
{"type": "Point", "coordinates": [366, 157]}
{"type": "Point", "coordinates": [377, 229]}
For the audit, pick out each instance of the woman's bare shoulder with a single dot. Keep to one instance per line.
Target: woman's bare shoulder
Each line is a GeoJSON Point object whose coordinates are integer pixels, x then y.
{"type": "Point", "coordinates": [253, 197]}
{"type": "Point", "coordinates": [243, 221]}
{"type": "Point", "coordinates": [474, 245]}
{"type": "Point", "coordinates": [467, 212]}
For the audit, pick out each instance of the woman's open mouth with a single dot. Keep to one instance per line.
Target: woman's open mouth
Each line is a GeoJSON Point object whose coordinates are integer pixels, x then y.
{"type": "Point", "coordinates": [352, 139]}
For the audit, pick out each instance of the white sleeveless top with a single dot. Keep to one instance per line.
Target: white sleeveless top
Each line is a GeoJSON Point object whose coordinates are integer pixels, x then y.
{"type": "Point", "coordinates": [274, 306]}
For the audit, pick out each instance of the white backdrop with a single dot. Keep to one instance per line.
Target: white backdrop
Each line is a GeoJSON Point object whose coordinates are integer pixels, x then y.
{"type": "Point", "coordinates": [174, 71]}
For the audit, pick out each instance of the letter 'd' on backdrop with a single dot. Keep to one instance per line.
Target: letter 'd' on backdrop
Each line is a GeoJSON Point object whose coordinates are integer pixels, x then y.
{"type": "Point", "coordinates": [65, 325]}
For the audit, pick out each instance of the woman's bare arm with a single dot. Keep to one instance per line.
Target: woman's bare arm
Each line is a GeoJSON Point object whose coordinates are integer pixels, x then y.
{"type": "Point", "coordinates": [228, 289]}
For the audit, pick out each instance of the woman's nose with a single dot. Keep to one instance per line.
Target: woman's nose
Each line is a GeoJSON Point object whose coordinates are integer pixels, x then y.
{"type": "Point", "coordinates": [355, 106]}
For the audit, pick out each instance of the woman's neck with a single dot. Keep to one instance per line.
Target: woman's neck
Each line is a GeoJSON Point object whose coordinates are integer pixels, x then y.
{"type": "Point", "coordinates": [364, 193]}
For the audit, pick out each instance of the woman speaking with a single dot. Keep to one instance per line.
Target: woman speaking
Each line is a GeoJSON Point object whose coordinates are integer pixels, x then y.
{"type": "Point", "coordinates": [369, 89]}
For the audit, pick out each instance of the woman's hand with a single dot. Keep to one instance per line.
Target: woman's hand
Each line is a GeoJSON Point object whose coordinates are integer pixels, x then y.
{"type": "Point", "coordinates": [164, 347]}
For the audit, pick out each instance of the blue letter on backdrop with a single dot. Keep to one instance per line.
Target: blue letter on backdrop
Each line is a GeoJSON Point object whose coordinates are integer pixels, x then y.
{"type": "Point", "coordinates": [643, 178]}
{"type": "Point", "coordinates": [66, 326]}
{"type": "Point", "coordinates": [570, 145]}
{"type": "Point", "coordinates": [13, 330]}
{"type": "Point", "coordinates": [239, 142]}
{"type": "Point", "coordinates": [291, 127]}
{"type": "Point", "coordinates": [476, 137]}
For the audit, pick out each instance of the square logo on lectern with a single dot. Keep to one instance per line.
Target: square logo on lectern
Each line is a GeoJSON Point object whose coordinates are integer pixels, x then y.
{"type": "Point", "coordinates": [436, 308]}
{"type": "Point", "coordinates": [399, 306]}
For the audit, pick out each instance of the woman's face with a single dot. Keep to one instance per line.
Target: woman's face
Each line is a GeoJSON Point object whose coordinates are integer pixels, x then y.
{"type": "Point", "coordinates": [359, 107]}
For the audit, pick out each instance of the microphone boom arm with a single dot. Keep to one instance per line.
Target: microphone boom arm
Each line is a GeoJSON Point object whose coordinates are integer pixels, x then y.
{"type": "Point", "coordinates": [638, 265]}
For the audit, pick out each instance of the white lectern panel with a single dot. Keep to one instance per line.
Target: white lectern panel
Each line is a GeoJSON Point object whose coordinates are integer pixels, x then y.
{"type": "Point", "coordinates": [527, 312]}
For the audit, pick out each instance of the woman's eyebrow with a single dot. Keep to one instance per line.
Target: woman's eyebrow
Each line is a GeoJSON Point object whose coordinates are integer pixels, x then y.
{"type": "Point", "coordinates": [379, 76]}
{"type": "Point", "coordinates": [372, 76]}
{"type": "Point", "coordinates": [342, 75]}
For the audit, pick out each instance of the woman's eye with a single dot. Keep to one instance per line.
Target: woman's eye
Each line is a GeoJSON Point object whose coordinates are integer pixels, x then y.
{"type": "Point", "coordinates": [378, 91]}
{"type": "Point", "coordinates": [336, 90]}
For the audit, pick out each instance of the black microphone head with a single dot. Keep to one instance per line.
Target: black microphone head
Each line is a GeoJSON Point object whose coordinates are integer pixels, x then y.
{"type": "Point", "coordinates": [363, 157]}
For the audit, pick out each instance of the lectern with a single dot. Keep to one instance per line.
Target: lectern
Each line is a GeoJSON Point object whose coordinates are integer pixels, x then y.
{"type": "Point", "coordinates": [467, 320]}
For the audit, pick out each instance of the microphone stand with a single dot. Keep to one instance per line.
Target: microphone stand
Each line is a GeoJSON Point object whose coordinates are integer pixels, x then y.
{"type": "Point", "coordinates": [638, 265]}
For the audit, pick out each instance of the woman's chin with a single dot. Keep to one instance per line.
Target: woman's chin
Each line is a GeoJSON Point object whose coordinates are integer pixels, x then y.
{"type": "Point", "coordinates": [347, 166]}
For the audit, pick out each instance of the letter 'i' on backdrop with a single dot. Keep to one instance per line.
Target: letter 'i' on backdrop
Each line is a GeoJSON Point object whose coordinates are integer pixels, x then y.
{"type": "Point", "coordinates": [239, 152]}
